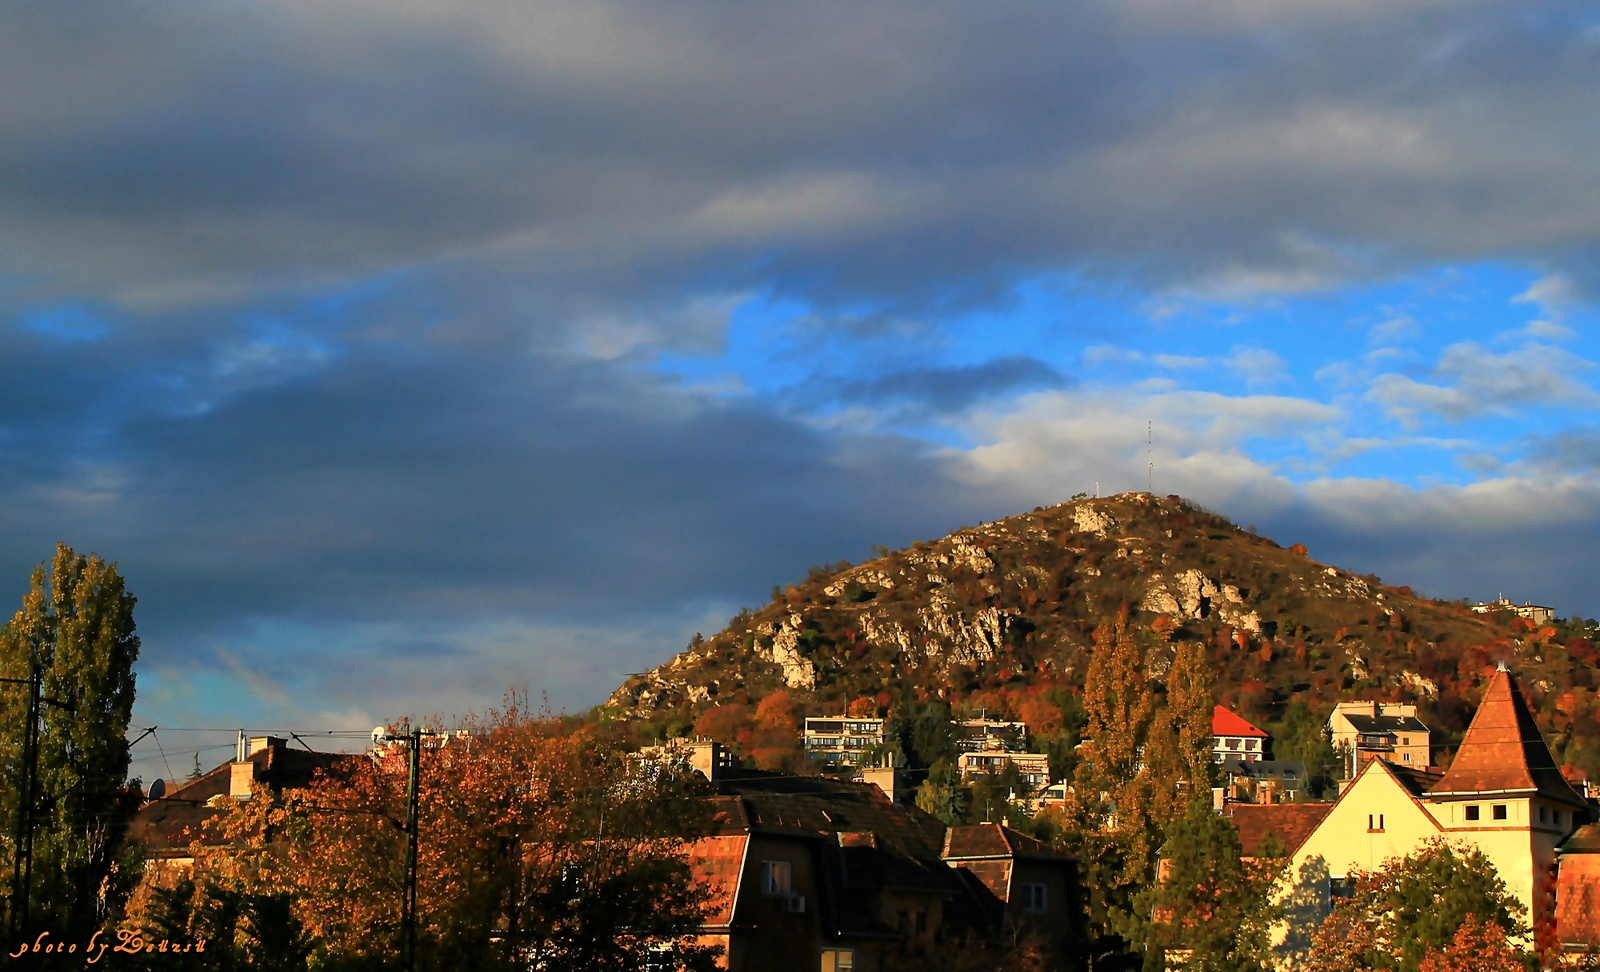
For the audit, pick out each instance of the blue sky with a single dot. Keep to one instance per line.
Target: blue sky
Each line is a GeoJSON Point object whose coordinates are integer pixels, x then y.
{"type": "Point", "coordinates": [406, 356]}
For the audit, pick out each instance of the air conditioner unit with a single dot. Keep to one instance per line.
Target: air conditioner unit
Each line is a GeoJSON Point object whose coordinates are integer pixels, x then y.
{"type": "Point", "coordinates": [797, 904]}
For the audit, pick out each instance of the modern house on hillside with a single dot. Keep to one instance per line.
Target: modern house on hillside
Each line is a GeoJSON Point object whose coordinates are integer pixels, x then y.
{"type": "Point", "coordinates": [1537, 613]}
{"type": "Point", "coordinates": [1364, 731]}
{"type": "Point", "coordinates": [1234, 737]}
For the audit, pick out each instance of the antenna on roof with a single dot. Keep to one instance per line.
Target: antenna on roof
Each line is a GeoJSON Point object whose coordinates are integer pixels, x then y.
{"type": "Point", "coordinates": [1150, 456]}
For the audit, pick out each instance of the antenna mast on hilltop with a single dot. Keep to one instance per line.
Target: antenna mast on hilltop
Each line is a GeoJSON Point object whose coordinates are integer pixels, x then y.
{"type": "Point", "coordinates": [1150, 455]}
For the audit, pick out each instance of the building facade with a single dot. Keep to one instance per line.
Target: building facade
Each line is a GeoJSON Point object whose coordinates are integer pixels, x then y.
{"type": "Point", "coordinates": [1234, 737]}
{"type": "Point", "coordinates": [1503, 795]}
{"type": "Point", "coordinates": [842, 740]}
{"type": "Point", "coordinates": [1364, 731]}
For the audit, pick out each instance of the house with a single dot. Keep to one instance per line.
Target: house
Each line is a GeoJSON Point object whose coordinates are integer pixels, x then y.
{"type": "Point", "coordinates": [838, 739]}
{"type": "Point", "coordinates": [1503, 795]}
{"type": "Point", "coordinates": [813, 873]}
{"type": "Point", "coordinates": [1235, 737]}
{"type": "Point", "coordinates": [1019, 881]}
{"type": "Point", "coordinates": [810, 873]}
{"type": "Point", "coordinates": [1034, 768]}
{"type": "Point", "coordinates": [167, 826]}
{"type": "Point", "coordinates": [1364, 731]}
{"type": "Point", "coordinates": [1537, 613]}
{"type": "Point", "coordinates": [976, 735]}
{"type": "Point", "coordinates": [1263, 780]}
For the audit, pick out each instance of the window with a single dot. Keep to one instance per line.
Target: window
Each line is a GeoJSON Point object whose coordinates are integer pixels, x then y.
{"type": "Point", "coordinates": [1035, 899]}
{"type": "Point", "coordinates": [1556, 814]}
{"type": "Point", "coordinates": [1405, 757]}
{"type": "Point", "coordinates": [775, 878]}
{"type": "Point", "coordinates": [1374, 823]}
{"type": "Point", "coordinates": [1543, 813]}
{"type": "Point", "coordinates": [922, 923]}
{"type": "Point", "coordinates": [1250, 744]}
{"type": "Point", "coordinates": [1406, 741]}
{"type": "Point", "coordinates": [1499, 811]}
{"type": "Point", "coordinates": [1339, 888]}
{"type": "Point", "coordinates": [1233, 743]}
{"type": "Point", "coordinates": [838, 960]}
{"type": "Point", "coordinates": [1472, 813]}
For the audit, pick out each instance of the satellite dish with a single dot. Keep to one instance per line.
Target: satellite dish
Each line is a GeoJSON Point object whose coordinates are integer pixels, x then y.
{"type": "Point", "coordinates": [158, 789]}
{"type": "Point", "coordinates": [378, 734]}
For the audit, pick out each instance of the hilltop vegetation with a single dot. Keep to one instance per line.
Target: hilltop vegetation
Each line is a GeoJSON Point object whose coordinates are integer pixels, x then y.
{"type": "Point", "coordinates": [1000, 617]}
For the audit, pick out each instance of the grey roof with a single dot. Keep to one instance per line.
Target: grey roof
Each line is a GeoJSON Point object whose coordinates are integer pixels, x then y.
{"type": "Point", "coordinates": [1264, 769]}
{"type": "Point", "coordinates": [1370, 725]}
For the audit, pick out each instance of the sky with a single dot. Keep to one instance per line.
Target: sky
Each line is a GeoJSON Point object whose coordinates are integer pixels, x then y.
{"type": "Point", "coordinates": [406, 354]}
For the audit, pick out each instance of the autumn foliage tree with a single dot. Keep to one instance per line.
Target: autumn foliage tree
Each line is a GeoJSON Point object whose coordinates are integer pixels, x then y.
{"type": "Point", "coordinates": [1437, 909]}
{"type": "Point", "coordinates": [1108, 822]}
{"type": "Point", "coordinates": [539, 847]}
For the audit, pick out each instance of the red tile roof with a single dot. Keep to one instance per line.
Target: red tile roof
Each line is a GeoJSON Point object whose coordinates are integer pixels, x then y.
{"type": "Point", "coordinates": [718, 862]}
{"type": "Point", "coordinates": [1225, 722]}
{"type": "Point", "coordinates": [1503, 751]}
{"type": "Point", "coordinates": [1292, 822]}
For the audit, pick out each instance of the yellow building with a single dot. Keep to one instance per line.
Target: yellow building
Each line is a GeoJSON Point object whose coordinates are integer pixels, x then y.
{"type": "Point", "coordinates": [1503, 794]}
{"type": "Point", "coordinates": [1363, 731]}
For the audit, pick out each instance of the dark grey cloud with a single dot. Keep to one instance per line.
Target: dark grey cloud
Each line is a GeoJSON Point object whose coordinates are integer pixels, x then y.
{"type": "Point", "coordinates": [434, 482]}
{"type": "Point", "coordinates": [955, 388]}
{"type": "Point", "coordinates": [324, 314]}
{"type": "Point", "coordinates": [895, 150]}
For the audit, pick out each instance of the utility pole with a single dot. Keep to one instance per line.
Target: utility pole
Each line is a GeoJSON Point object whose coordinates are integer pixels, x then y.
{"type": "Point", "coordinates": [1150, 456]}
{"type": "Point", "coordinates": [22, 853]}
{"type": "Point", "coordinates": [22, 861]}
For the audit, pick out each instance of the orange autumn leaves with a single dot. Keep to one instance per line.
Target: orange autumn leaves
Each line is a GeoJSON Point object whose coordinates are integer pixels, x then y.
{"type": "Point", "coordinates": [539, 845]}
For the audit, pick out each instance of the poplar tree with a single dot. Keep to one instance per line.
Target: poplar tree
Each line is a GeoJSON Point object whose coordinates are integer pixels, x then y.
{"type": "Point", "coordinates": [1109, 825]}
{"type": "Point", "coordinates": [1179, 752]}
{"type": "Point", "coordinates": [76, 626]}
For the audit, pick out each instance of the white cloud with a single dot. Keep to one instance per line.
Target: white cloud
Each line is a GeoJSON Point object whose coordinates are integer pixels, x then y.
{"type": "Point", "coordinates": [1475, 381]}
{"type": "Point", "coordinates": [1257, 366]}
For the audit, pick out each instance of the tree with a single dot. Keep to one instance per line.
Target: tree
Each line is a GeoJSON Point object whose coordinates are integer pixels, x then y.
{"type": "Point", "coordinates": [1212, 906]}
{"type": "Point", "coordinates": [1178, 754]}
{"type": "Point", "coordinates": [1414, 907]}
{"type": "Point", "coordinates": [1477, 946]}
{"type": "Point", "coordinates": [540, 847]}
{"type": "Point", "coordinates": [1108, 823]}
{"type": "Point", "coordinates": [76, 626]}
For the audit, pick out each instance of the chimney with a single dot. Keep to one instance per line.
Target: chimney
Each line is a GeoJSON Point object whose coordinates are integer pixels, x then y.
{"type": "Point", "coordinates": [240, 776]}
{"type": "Point", "coordinates": [258, 743]}
{"type": "Point", "coordinates": [887, 779]}
{"type": "Point", "coordinates": [707, 757]}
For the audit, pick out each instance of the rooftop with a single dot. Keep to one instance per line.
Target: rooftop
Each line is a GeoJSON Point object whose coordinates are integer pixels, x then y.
{"type": "Point", "coordinates": [1504, 752]}
{"type": "Point", "coordinates": [1225, 722]}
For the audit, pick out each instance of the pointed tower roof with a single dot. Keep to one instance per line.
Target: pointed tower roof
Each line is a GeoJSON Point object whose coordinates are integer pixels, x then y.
{"type": "Point", "coordinates": [1504, 752]}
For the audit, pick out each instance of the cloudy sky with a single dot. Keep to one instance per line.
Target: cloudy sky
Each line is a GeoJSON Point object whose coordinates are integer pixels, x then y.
{"type": "Point", "coordinates": [406, 353]}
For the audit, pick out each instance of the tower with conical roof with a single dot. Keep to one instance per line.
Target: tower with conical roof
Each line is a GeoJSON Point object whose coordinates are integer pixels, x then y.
{"type": "Point", "coordinates": [1505, 794]}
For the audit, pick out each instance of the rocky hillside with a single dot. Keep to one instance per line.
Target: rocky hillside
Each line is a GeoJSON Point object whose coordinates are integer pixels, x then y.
{"type": "Point", "coordinates": [992, 612]}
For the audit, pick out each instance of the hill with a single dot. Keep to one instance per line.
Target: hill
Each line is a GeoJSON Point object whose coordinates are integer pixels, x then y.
{"type": "Point", "coordinates": [994, 615]}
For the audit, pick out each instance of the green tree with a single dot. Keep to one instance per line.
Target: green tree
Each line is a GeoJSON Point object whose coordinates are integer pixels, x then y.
{"type": "Point", "coordinates": [76, 626]}
{"type": "Point", "coordinates": [1212, 908]}
{"type": "Point", "coordinates": [1302, 740]}
{"type": "Point", "coordinates": [1178, 754]}
{"type": "Point", "coordinates": [1412, 908]}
